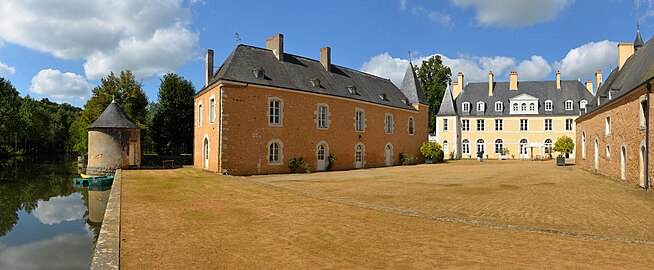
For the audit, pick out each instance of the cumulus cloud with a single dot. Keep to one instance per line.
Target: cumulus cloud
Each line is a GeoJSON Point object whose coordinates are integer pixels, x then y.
{"type": "Point", "coordinates": [535, 69]}
{"type": "Point", "coordinates": [421, 11]}
{"type": "Point", "coordinates": [69, 251]}
{"type": "Point", "coordinates": [385, 66]}
{"type": "Point", "coordinates": [60, 209]}
{"type": "Point", "coordinates": [103, 31]}
{"type": "Point", "coordinates": [6, 69]}
{"type": "Point", "coordinates": [583, 61]}
{"type": "Point", "coordinates": [59, 85]}
{"type": "Point", "coordinates": [513, 13]}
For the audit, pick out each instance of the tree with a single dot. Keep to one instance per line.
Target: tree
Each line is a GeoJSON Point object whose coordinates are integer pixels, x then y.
{"type": "Point", "coordinates": [125, 90]}
{"type": "Point", "coordinates": [434, 78]}
{"type": "Point", "coordinates": [172, 123]}
{"type": "Point", "coordinates": [9, 104]}
{"type": "Point", "coordinates": [564, 144]}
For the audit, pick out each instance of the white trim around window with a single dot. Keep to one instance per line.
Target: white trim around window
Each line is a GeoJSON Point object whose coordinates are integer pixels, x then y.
{"type": "Point", "coordinates": [212, 109]}
{"type": "Point", "coordinates": [200, 114]}
{"type": "Point", "coordinates": [275, 152]}
{"type": "Point", "coordinates": [548, 105]}
{"type": "Point", "coordinates": [322, 116]}
{"type": "Point", "coordinates": [466, 106]}
{"type": "Point", "coordinates": [569, 105]}
{"type": "Point", "coordinates": [499, 106]}
{"type": "Point", "coordinates": [275, 112]}
{"type": "Point", "coordinates": [359, 120]}
{"type": "Point", "coordinates": [411, 126]}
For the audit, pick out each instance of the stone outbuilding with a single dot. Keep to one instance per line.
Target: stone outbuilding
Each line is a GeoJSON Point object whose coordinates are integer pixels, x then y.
{"type": "Point", "coordinates": [114, 142]}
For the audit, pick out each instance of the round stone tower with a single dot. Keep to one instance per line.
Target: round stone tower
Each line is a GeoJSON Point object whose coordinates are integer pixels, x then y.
{"type": "Point", "coordinates": [114, 142]}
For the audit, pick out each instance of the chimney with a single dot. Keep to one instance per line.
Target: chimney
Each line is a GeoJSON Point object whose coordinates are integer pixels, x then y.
{"type": "Point", "coordinates": [513, 81]}
{"type": "Point", "coordinates": [326, 58]}
{"type": "Point", "coordinates": [490, 83]}
{"type": "Point", "coordinates": [276, 45]}
{"type": "Point", "coordinates": [589, 86]}
{"type": "Point", "coordinates": [209, 69]}
{"type": "Point", "coordinates": [625, 50]}
{"type": "Point", "coordinates": [598, 79]}
{"type": "Point", "coordinates": [558, 80]}
{"type": "Point", "coordinates": [458, 86]}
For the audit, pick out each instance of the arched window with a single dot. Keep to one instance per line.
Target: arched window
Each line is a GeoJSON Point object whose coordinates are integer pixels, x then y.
{"type": "Point", "coordinates": [445, 148]}
{"type": "Point", "coordinates": [481, 146]}
{"type": "Point", "coordinates": [582, 104]}
{"type": "Point", "coordinates": [274, 153]}
{"type": "Point", "coordinates": [568, 105]}
{"type": "Point", "coordinates": [608, 151]}
{"type": "Point", "coordinates": [523, 107]}
{"type": "Point", "coordinates": [466, 106]}
{"type": "Point", "coordinates": [465, 146]}
{"type": "Point", "coordinates": [548, 146]}
{"type": "Point", "coordinates": [274, 111]}
{"type": "Point", "coordinates": [532, 107]}
{"type": "Point", "coordinates": [548, 105]}
{"type": "Point", "coordinates": [523, 148]}
{"type": "Point", "coordinates": [411, 129]}
{"type": "Point", "coordinates": [515, 107]}
{"type": "Point", "coordinates": [499, 146]}
{"type": "Point", "coordinates": [583, 145]}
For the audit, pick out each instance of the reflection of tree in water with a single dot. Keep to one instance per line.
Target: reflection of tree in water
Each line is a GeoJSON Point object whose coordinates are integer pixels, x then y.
{"type": "Point", "coordinates": [25, 181]}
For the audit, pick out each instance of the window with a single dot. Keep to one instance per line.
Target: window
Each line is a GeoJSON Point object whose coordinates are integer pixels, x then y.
{"type": "Point", "coordinates": [583, 145]}
{"type": "Point", "coordinates": [548, 105]}
{"type": "Point", "coordinates": [498, 106]}
{"type": "Point", "coordinates": [499, 124]}
{"type": "Point", "coordinates": [480, 125]}
{"type": "Point", "coordinates": [274, 153]}
{"type": "Point", "coordinates": [568, 105]}
{"type": "Point", "coordinates": [643, 111]}
{"type": "Point", "coordinates": [352, 89]}
{"type": "Point", "coordinates": [359, 119]}
{"type": "Point", "coordinates": [465, 146]}
{"type": "Point", "coordinates": [274, 112]}
{"type": "Point", "coordinates": [466, 106]}
{"type": "Point", "coordinates": [411, 126]}
{"type": "Point", "coordinates": [444, 124]}
{"type": "Point", "coordinates": [568, 124]}
{"type": "Point", "coordinates": [480, 106]}
{"type": "Point", "coordinates": [445, 147]}
{"type": "Point", "coordinates": [532, 107]}
{"type": "Point", "coordinates": [323, 116]}
{"type": "Point", "coordinates": [548, 124]}
{"type": "Point", "coordinates": [523, 148]}
{"type": "Point", "coordinates": [358, 153]}
{"type": "Point", "coordinates": [515, 107]}
{"type": "Point", "coordinates": [499, 146]}
{"type": "Point", "coordinates": [465, 125]}
{"type": "Point", "coordinates": [523, 124]}
{"type": "Point", "coordinates": [582, 104]}
{"type": "Point", "coordinates": [389, 123]}
{"type": "Point", "coordinates": [608, 151]}
{"type": "Point", "coordinates": [200, 115]}
{"type": "Point", "coordinates": [523, 107]}
{"type": "Point", "coordinates": [548, 146]}
{"type": "Point", "coordinates": [481, 146]}
{"type": "Point", "coordinates": [212, 110]}
{"type": "Point", "coordinates": [607, 128]}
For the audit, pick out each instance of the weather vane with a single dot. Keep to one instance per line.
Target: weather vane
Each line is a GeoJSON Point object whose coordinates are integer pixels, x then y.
{"type": "Point", "coordinates": [238, 37]}
{"type": "Point", "coordinates": [410, 56]}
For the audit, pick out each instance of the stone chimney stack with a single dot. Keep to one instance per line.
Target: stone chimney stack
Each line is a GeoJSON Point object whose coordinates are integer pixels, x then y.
{"type": "Point", "coordinates": [558, 80]}
{"type": "Point", "coordinates": [490, 83]}
{"type": "Point", "coordinates": [625, 50]}
{"type": "Point", "coordinates": [209, 67]}
{"type": "Point", "coordinates": [457, 87]}
{"type": "Point", "coordinates": [589, 86]}
{"type": "Point", "coordinates": [326, 58]}
{"type": "Point", "coordinates": [598, 79]}
{"type": "Point", "coordinates": [513, 81]}
{"type": "Point", "coordinates": [276, 45]}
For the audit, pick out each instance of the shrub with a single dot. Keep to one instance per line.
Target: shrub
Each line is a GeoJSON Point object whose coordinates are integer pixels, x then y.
{"type": "Point", "coordinates": [306, 166]}
{"type": "Point", "coordinates": [331, 161]}
{"type": "Point", "coordinates": [564, 144]}
{"type": "Point", "coordinates": [451, 155]}
{"type": "Point", "coordinates": [296, 163]}
{"type": "Point", "coordinates": [439, 156]}
{"type": "Point", "coordinates": [430, 149]}
{"type": "Point", "coordinates": [408, 159]}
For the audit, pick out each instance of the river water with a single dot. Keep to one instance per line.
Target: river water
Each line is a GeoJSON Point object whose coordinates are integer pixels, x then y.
{"type": "Point", "coordinates": [45, 221]}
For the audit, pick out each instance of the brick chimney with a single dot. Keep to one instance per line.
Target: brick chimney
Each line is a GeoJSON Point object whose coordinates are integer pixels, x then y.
{"type": "Point", "coordinates": [209, 67]}
{"type": "Point", "coordinates": [490, 83]}
{"type": "Point", "coordinates": [598, 79]}
{"type": "Point", "coordinates": [625, 50]}
{"type": "Point", "coordinates": [276, 45]}
{"type": "Point", "coordinates": [457, 87]}
{"type": "Point", "coordinates": [558, 80]}
{"type": "Point", "coordinates": [589, 86]}
{"type": "Point", "coordinates": [513, 81]}
{"type": "Point", "coordinates": [326, 58]}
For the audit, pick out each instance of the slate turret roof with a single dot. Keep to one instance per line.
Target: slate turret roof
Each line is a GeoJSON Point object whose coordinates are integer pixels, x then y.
{"type": "Point", "coordinates": [448, 107]}
{"type": "Point", "coordinates": [638, 42]}
{"type": "Point", "coordinates": [113, 117]}
{"type": "Point", "coordinates": [411, 86]}
{"type": "Point", "coordinates": [297, 73]}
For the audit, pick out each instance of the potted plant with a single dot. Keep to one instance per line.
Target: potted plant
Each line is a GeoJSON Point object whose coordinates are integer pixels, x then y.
{"type": "Point", "coordinates": [563, 145]}
{"type": "Point", "coordinates": [430, 150]}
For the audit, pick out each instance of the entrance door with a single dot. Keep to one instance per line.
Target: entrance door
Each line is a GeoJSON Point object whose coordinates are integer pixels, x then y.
{"type": "Point", "coordinates": [358, 156]}
{"type": "Point", "coordinates": [523, 149]}
{"type": "Point", "coordinates": [132, 153]}
{"type": "Point", "coordinates": [623, 163]}
{"type": "Point", "coordinates": [641, 167]}
{"type": "Point", "coordinates": [596, 155]}
{"type": "Point", "coordinates": [205, 153]}
{"type": "Point", "coordinates": [321, 155]}
{"type": "Point", "coordinates": [389, 155]}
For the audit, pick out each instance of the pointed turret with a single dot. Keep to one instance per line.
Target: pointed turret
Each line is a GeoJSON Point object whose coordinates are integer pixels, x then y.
{"type": "Point", "coordinates": [113, 117]}
{"type": "Point", "coordinates": [447, 105]}
{"type": "Point", "coordinates": [411, 87]}
{"type": "Point", "coordinates": [638, 42]}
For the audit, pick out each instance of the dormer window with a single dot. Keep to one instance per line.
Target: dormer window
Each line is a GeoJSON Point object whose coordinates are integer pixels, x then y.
{"type": "Point", "coordinates": [405, 101]}
{"type": "Point", "coordinates": [315, 82]}
{"type": "Point", "coordinates": [582, 104]}
{"type": "Point", "coordinates": [568, 105]}
{"type": "Point", "coordinates": [548, 105]}
{"type": "Point", "coordinates": [466, 106]}
{"type": "Point", "coordinates": [259, 73]}
{"type": "Point", "coordinates": [383, 96]}
{"type": "Point", "coordinates": [532, 107]}
{"type": "Point", "coordinates": [498, 106]}
{"type": "Point", "coordinates": [352, 89]}
{"type": "Point", "coordinates": [480, 106]}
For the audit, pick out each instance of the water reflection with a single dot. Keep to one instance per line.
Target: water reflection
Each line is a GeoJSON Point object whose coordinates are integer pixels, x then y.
{"type": "Point", "coordinates": [58, 209]}
{"type": "Point", "coordinates": [98, 199]}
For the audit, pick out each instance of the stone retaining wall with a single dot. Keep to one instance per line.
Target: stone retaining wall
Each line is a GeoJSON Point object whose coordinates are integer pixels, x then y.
{"type": "Point", "coordinates": [107, 248]}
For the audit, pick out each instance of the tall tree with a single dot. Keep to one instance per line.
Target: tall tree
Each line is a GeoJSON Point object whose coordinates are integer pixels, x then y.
{"type": "Point", "coordinates": [172, 123]}
{"type": "Point", "coordinates": [125, 89]}
{"type": "Point", "coordinates": [9, 104]}
{"type": "Point", "coordinates": [434, 78]}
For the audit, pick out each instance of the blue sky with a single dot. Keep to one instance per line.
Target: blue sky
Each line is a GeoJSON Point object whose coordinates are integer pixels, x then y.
{"type": "Point", "coordinates": [60, 50]}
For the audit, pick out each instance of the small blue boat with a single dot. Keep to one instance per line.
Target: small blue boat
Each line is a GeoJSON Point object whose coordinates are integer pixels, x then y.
{"type": "Point", "coordinates": [106, 180]}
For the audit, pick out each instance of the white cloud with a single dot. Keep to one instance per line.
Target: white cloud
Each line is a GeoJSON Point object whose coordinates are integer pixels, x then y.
{"type": "Point", "coordinates": [101, 29]}
{"type": "Point", "coordinates": [64, 86]}
{"type": "Point", "coordinates": [70, 251]}
{"type": "Point", "coordinates": [535, 69]}
{"type": "Point", "coordinates": [6, 69]}
{"type": "Point", "coordinates": [385, 66]}
{"type": "Point", "coordinates": [583, 61]}
{"type": "Point", "coordinates": [514, 13]}
{"type": "Point", "coordinates": [645, 8]}
{"type": "Point", "coordinates": [421, 11]}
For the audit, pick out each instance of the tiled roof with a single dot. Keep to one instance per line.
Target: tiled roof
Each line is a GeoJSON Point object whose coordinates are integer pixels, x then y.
{"type": "Point", "coordinates": [113, 117]}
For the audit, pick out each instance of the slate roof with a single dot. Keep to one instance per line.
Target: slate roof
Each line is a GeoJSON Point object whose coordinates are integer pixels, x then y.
{"type": "Point", "coordinates": [543, 90]}
{"type": "Point", "coordinates": [638, 42]}
{"type": "Point", "coordinates": [113, 117]}
{"type": "Point", "coordinates": [638, 69]}
{"type": "Point", "coordinates": [448, 107]}
{"type": "Point", "coordinates": [411, 86]}
{"type": "Point", "coordinates": [296, 73]}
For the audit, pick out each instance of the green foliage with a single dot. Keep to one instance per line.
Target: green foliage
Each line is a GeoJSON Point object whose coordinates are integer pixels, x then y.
{"type": "Point", "coordinates": [430, 149]}
{"type": "Point", "coordinates": [451, 155]}
{"type": "Point", "coordinates": [295, 163]}
{"type": "Point", "coordinates": [408, 159]}
{"type": "Point", "coordinates": [9, 104]}
{"type": "Point", "coordinates": [564, 144]}
{"type": "Point", "coordinates": [434, 78]}
{"type": "Point", "coordinates": [172, 122]}
{"type": "Point", "coordinates": [126, 90]}
{"type": "Point", "coordinates": [440, 157]}
{"type": "Point", "coordinates": [331, 161]}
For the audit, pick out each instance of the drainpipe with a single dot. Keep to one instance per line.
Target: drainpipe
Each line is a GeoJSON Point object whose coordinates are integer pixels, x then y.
{"type": "Point", "coordinates": [649, 89]}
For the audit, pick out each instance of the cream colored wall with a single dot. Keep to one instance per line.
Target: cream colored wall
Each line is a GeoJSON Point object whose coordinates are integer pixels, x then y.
{"type": "Point", "coordinates": [450, 135]}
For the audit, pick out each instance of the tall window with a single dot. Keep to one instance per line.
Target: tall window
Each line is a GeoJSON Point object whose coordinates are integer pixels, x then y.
{"type": "Point", "coordinates": [523, 107]}
{"type": "Point", "coordinates": [411, 129]}
{"type": "Point", "coordinates": [583, 145]}
{"type": "Point", "coordinates": [642, 113]}
{"type": "Point", "coordinates": [499, 124]}
{"type": "Point", "coordinates": [465, 146]}
{"type": "Point", "coordinates": [548, 105]}
{"type": "Point", "coordinates": [480, 125]}
{"type": "Point", "coordinates": [465, 125]}
{"type": "Point", "coordinates": [499, 145]}
{"type": "Point", "coordinates": [274, 153]}
{"type": "Point", "coordinates": [445, 147]}
{"type": "Point", "coordinates": [523, 124]}
{"type": "Point", "coordinates": [389, 123]}
{"type": "Point", "coordinates": [200, 115]}
{"type": "Point", "coordinates": [323, 112]}
{"type": "Point", "coordinates": [608, 151]}
{"type": "Point", "coordinates": [582, 104]}
{"type": "Point", "coordinates": [548, 124]}
{"type": "Point", "coordinates": [607, 128]}
{"type": "Point", "coordinates": [445, 125]}
{"type": "Point", "coordinates": [466, 106]}
{"type": "Point", "coordinates": [498, 106]}
{"type": "Point", "coordinates": [532, 107]}
{"type": "Point", "coordinates": [212, 110]}
{"type": "Point", "coordinates": [568, 124]}
{"type": "Point", "coordinates": [359, 118]}
{"type": "Point", "coordinates": [568, 105]}
{"type": "Point", "coordinates": [274, 112]}
{"type": "Point", "coordinates": [548, 146]}
{"type": "Point", "coordinates": [480, 106]}
{"type": "Point", "coordinates": [481, 146]}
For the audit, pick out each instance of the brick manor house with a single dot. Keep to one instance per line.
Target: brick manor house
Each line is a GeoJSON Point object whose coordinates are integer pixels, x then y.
{"type": "Point", "coordinates": [264, 106]}
{"type": "Point", "coordinates": [615, 133]}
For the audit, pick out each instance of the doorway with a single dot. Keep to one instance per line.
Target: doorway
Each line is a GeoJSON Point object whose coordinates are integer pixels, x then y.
{"type": "Point", "coordinates": [596, 155]}
{"type": "Point", "coordinates": [388, 155]}
{"type": "Point", "coordinates": [623, 163]}
{"type": "Point", "coordinates": [132, 153]}
{"type": "Point", "coordinates": [358, 156]}
{"type": "Point", "coordinates": [523, 149]}
{"type": "Point", "coordinates": [322, 154]}
{"type": "Point", "coordinates": [205, 153]}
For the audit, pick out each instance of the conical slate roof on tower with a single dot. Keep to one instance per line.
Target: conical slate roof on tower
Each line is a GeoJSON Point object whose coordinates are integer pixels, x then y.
{"type": "Point", "coordinates": [113, 117]}
{"type": "Point", "coordinates": [638, 42]}
{"type": "Point", "coordinates": [447, 105]}
{"type": "Point", "coordinates": [411, 87]}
